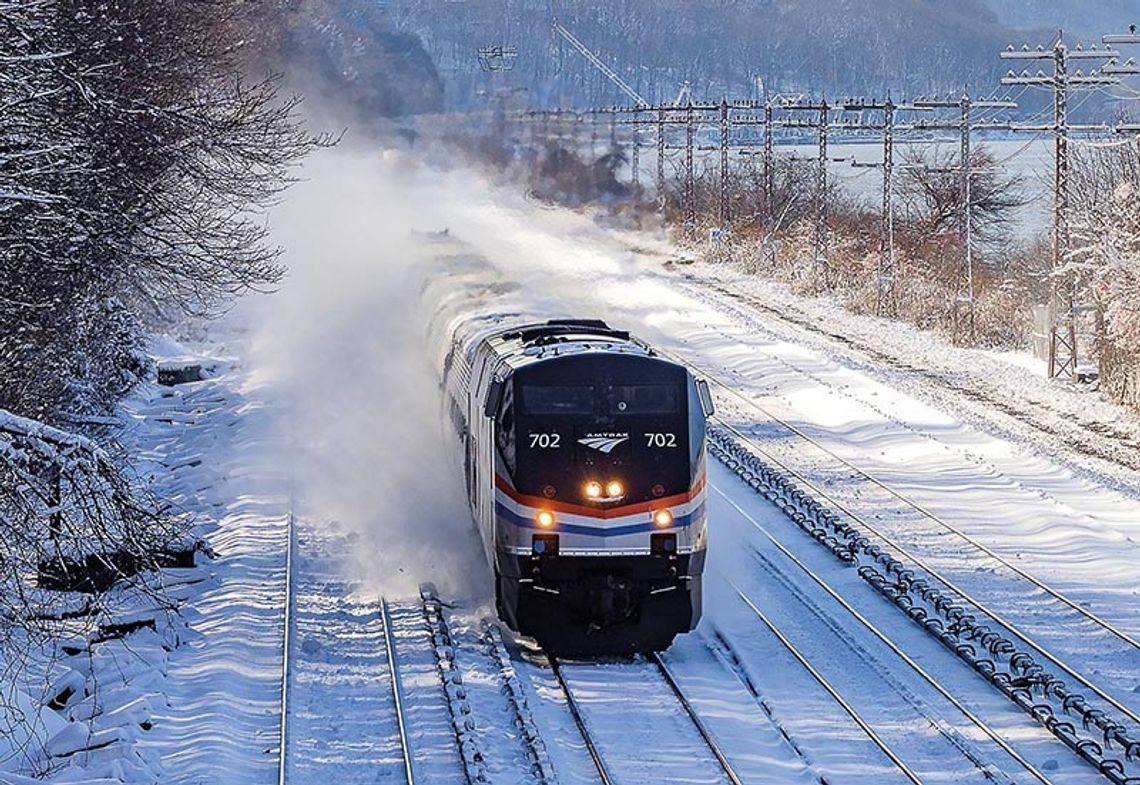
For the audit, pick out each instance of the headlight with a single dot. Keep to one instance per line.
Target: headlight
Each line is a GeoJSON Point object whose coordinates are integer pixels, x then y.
{"type": "Point", "coordinates": [663, 519]}
{"type": "Point", "coordinates": [593, 490]}
{"type": "Point", "coordinates": [614, 488]}
{"type": "Point", "coordinates": [544, 519]}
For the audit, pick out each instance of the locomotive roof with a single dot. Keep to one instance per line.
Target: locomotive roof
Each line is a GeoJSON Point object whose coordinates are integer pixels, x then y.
{"type": "Point", "coordinates": [530, 343]}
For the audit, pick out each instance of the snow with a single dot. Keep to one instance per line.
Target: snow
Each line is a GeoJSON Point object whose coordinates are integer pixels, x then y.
{"type": "Point", "coordinates": [169, 354]}
{"type": "Point", "coordinates": [26, 726]}
{"type": "Point", "coordinates": [221, 711]}
{"type": "Point", "coordinates": [324, 406]}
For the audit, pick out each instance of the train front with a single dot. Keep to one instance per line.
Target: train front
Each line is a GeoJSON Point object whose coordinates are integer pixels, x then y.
{"type": "Point", "coordinates": [600, 502]}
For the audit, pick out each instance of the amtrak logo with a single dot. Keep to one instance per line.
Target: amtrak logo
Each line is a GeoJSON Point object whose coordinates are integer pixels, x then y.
{"type": "Point", "coordinates": [604, 442]}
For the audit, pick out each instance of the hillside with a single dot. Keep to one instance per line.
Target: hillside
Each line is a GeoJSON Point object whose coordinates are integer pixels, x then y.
{"type": "Point", "coordinates": [837, 46]}
{"type": "Point", "coordinates": [346, 59]}
{"type": "Point", "coordinates": [1089, 20]}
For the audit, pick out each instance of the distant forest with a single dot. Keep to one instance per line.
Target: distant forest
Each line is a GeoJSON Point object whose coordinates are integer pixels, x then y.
{"type": "Point", "coordinates": [841, 47]}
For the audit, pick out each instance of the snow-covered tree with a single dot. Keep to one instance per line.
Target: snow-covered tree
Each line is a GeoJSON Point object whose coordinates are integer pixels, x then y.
{"type": "Point", "coordinates": [134, 158]}
{"type": "Point", "coordinates": [1118, 278]}
{"type": "Point", "coordinates": [1106, 256]}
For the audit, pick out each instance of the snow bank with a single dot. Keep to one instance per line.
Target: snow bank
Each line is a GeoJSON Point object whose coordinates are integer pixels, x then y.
{"type": "Point", "coordinates": [25, 728]}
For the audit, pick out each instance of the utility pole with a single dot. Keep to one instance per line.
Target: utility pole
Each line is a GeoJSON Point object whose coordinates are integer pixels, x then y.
{"type": "Point", "coordinates": [724, 206]}
{"type": "Point", "coordinates": [1068, 287]}
{"type": "Point", "coordinates": [635, 150]}
{"type": "Point", "coordinates": [690, 174]}
{"type": "Point", "coordinates": [886, 272]}
{"type": "Point", "coordinates": [886, 303]}
{"type": "Point", "coordinates": [769, 164]}
{"type": "Point", "coordinates": [965, 294]}
{"type": "Point", "coordinates": [885, 299]}
{"type": "Point", "coordinates": [823, 110]}
{"type": "Point", "coordinates": [661, 160]}
{"type": "Point", "coordinates": [822, 240]}
{"type": "Point", "coordinates": [575, 119]}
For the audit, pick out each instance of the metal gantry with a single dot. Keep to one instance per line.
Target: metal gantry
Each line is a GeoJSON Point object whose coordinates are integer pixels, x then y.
{"type": "Point", "coordinates": [727, 115]}
{"type": "Point", "coordinates": [821, 124]}
{"type": "Point", "coordinates": [1068, 286]}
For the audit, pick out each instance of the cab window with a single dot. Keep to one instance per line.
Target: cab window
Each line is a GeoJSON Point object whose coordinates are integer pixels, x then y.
{"type": "Point", "coordinates": [561, 399]}
{"type": "Point", "coordinates": [645, 399]}
{"type": "Point", "coordinates": [505, 428]}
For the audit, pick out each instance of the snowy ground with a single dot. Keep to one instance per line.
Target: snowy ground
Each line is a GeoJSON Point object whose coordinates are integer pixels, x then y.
{"type": "Point", "coordinates": [332, 414]}
{"type": "Point", "coordinates": [222, 713]}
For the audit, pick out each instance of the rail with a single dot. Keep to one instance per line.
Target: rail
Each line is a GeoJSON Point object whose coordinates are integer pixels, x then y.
{"type": "Point", "coordinates": [397, 693]}
{"type": "Point", "coordinates": [729, 771]}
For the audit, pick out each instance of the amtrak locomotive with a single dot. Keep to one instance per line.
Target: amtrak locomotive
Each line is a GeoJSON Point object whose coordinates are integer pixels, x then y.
{"type": "Point", "coordinates": [584, 455]}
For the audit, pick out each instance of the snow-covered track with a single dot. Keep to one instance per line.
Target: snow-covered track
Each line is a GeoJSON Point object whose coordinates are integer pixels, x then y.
{"type": "Point", "coordinates": [910, 503]}
{"type": "Point", "coordinates": [539, 758]}
{"type": "Point", "coordinates": [1012, 670]}
{"type": "Point", "coordinates": [1098, 440]}
{"type": "Point", "coordinates": [914, 666]}
{"type": "Point", "coordinates": [364, 702]}
{"type": "Point", "coordinates": [580, 722]}
{"type": "Point", "coordinates": [819, 678]}
{"type": "Point", "coordinates": [287, 648]}
{"type": "Point", "coordinates": [397, 693]}
{"type": "Point", "coordinates": [718, 767]}
{"type": "Point", "coordinates": [698, 723]}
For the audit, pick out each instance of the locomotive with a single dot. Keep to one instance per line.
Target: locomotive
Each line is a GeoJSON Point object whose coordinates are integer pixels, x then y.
{"type": "Point", "coordinates": [584, 455]}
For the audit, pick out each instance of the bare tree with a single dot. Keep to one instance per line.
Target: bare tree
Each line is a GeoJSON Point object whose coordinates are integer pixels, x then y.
{"type": "Point", "coordinates": [930, 188]}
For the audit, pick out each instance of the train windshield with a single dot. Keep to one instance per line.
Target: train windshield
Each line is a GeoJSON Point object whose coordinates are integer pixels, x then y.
{"type": "Point", "coordinates": [580, 420]}
{"type": "Point", "coordinates": [582, 400]}
{"type": "Point", "coordinates": [557, 399]}
{"type": "Point", "coordinates": [645, 398]}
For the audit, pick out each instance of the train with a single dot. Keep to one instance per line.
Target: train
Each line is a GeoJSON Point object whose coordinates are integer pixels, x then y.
{"type": "Point", "coordinates": [584, 461]}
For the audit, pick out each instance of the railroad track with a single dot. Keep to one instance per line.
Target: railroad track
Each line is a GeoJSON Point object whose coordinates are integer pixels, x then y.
{"type": "Point", "coordinates": [1075, 606]}
{"type": "Point", "coordinates": [604, 773]}
{"type": "Point", "coordinates": [823, 514]}
{"type": "Point", "coordinates": [397, 693]}
{"type": "Point", "coordinates": [947, 526]}
{"type": "Point", "coordinates": [819, 678]}
{"type": "Point", "coordinates": [287, 644]}
{"type": "Point", "coordinates": [287, 671]}
{"type": "Point", "coordinates": [957, 629]}
{"type": "Point", "coordinates": [1038, 417]}
{"type": "Point", "coordinates": [924, 512]}
{"type": "Point", "coordinates": [450, 676]}
{"type": "Point", "coordinates": [985, 729]}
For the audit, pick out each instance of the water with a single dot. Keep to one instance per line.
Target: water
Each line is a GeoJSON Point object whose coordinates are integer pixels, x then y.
{"type": "Point", "coordinates": [1029, 158]}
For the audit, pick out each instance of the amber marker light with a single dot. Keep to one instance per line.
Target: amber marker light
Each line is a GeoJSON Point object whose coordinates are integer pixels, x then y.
{"type": "Point", "coordinates": [663, 519]}
{"type": "Point", "coordinates": [593, 490]}
{"type": "Point", "coordinates": [614, 488]}
{"type": "Point", "coordinates": [544, 519]}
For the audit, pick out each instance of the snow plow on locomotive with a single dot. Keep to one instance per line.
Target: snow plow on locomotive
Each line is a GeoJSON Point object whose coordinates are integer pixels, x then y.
{"type": "Point", "coordinates": [585, 460]}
